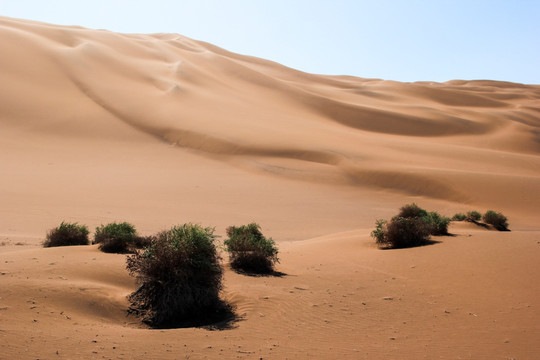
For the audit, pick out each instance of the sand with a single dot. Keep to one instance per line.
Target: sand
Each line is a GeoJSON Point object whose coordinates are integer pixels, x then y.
{"type": "Point", "coordinates": [160, 129]}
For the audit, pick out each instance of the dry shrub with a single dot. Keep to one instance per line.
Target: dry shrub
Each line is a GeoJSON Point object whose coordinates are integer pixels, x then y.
{"type": "Point", "coordinates": [115, 238]}
{"type": "Point", "coordinates": [401, 232]}
{"type": "Point", "coordinates": [180, 279]}
{"type": "Point", "coordinates": [249, 250]}
{"type": "Point", "coordinates": [411, 227]}
{"type": "Point", "coordinates": [459, 217]}
{"type": "Point", "coordinates": [496, 219]}
{"type": "Point", "coordinates": [67, 234]}
{"type": "Point", "coordinates": [473, 216]}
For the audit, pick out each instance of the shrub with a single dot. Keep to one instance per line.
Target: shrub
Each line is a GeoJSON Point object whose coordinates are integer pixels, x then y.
{"type": "Point", "coordinates": [412, 211]}
{"type": "Point", "coordinates": [379, 234]}
{"type": "Point", "coordinates": [249, 250]}
{"type": "Point", "coordinates": [436, 224]}
{"type": "Point", "coordinates": [142, 242]}
{"type": "Point", "coordinates": [459, 217]}
{"type": "Point", "coordinates": [411, 227]}
{"type": "Point", "coordinates": [67, 234]}
{"type": "Point", "coordinates": [473, 216]}
{"type": "Point", "coordinates": [496, 219]}
{"type": "Point", "coordinates": [180, 278]}
{"type": "Point", "coordinates": [401, 232]}
{"type": "Point", "coordinates": [115, 238]}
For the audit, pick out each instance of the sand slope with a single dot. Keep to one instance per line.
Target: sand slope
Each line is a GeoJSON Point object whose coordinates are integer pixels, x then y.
{"type": "Point", "coordinates": [160, 129]}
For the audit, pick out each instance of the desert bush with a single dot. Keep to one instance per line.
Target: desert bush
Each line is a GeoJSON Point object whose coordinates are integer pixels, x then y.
{"type": "Point", "coordinates": [379, 234]}
{"type": "Point", "coordinates": [459, 217]}
{"type": "Point", "coordinates": [67, 234]}
{"type": "Point", "coordinates": [436, 224]}
{"type": "Point", "coordinates": [412, 211]}
{"type": "Point", "coordinates": [142, 242]}
{"type": "Point", "coordinates": [249, 250]}
{"type": "Point", "coordinates": [411, 227]}
{"type": "Point", "coordinates": [473, 216]}
{"type": "Point", "coordinates": [180, 278]}
{"type": "Point", "coordinates": [496, 219]}
{"type": "Point", "coordinates": [115, 238]}
{"type": "Point", "coordinates": [403, 232]}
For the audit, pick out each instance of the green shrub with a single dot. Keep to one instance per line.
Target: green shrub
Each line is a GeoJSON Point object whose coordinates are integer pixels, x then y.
{"type": "Point", "coordinates": [401, 232]}
{"type": "Point", "coordinates": [496, 219]}
{"type": "Point", "coordinates": [115, 238]}
{"type": "Point", "coordinates": [411, 227]}
{"type": "Point", "coordinates": [249, 250]}
{"type": "Point", "coordinates": [459, 217]}
{"type": "Point", "coordinates": [436, 224]}
{"type": "Point", "coordinates": [180, 279]}
{"type": "Point", "coordinates": [473, 216]}
{"type": "Point", "coordinates": [379, 234]}
{"type": "Point", "coordinates": [67, 234]}
{"type": "Point", "coordinates": [412, 211]}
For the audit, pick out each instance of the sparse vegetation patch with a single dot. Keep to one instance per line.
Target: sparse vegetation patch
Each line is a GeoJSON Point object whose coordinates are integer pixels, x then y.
{"type": "Point", "coordinates": [497, 220]}
{"type": "Point", "coordinates": [115, 238]}
{"type": "Point", "coordinates": [67, 234]}
{"type": "Point", "coordinates": [180, 279]}
{"type": "Point", "coordinates": [473, 216]}
{"type": "Point", "coordinates": [411, 227]}
{"type": "Point", "coordinates": [459, 217]}
{"type": "Point", "coordinates": [249, 250]}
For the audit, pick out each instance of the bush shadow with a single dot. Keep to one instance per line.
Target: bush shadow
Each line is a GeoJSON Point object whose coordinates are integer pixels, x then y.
{"type": "Point", "coordinates": [426, 243]}
{"type": "Point", "coordinates": [272, 273]}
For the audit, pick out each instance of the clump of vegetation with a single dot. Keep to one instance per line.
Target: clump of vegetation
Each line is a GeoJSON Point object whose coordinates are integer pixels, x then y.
{"type": "Point", "coordinates": [434, 222]}
{"type": "Point", "coordinates": [401, 232]}
{"type": "Point", "coordinates": [412, 211]}
{"type": "Point", "coordinates": [411, 227]}
{"type": "Point", "coordinates": [180, 279]}
{"type": "Point", "coordinates": [437, 224]}
{"type": "Point", "coordinates": [496, 219]}
{"type": "Point", "coordinates": [67, 234]}
{"type": "Point", "coordinates": [473, 216]}
{"type": "Point", "coordinates": [459, 217]}
{"type": "Point", "coordinates": [249, 250]}
{"type": "Point", "coordinates": [115, 238]}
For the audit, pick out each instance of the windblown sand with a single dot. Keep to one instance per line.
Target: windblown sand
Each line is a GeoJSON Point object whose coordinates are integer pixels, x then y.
{"type": "Point", "coordinates": [161, 130]}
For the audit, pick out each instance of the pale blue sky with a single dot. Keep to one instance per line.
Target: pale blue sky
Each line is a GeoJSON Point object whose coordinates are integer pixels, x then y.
{"type": "Point", "coordinates": [408, 40]}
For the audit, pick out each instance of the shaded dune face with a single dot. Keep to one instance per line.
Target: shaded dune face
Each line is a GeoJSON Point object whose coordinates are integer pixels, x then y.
{"type": "Point", "coordinates": [252, 113]}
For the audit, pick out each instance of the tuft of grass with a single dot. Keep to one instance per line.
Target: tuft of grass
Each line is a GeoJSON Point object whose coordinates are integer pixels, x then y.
{"type": "Point", "coordinates": [180, 279]}
{"type": "Point", "coordinates": [249, 250]}
{"type": "Point", "coordinates": [459, 217]}
{"type": "Point", "coordinates": [115, 238]}
{"type": "Point", "coordinates": [67, 234]}
{"type": "Point", "coordinates": [498, 220]}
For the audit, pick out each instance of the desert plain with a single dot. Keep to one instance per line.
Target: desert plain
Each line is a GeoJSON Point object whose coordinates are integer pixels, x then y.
{"type": "Point", "coordinates": [160, 130]}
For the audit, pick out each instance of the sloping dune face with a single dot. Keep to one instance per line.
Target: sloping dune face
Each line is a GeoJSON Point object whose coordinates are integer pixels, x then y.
{"type": "Point", "coordinates": [438, 140]}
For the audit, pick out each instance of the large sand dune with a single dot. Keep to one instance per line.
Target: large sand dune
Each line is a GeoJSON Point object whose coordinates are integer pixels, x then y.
{"type": "Point", "coordinates": [160, 129]}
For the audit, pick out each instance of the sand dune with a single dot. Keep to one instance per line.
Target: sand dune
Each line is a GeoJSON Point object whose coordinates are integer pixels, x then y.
{"type": "Point", "coordinates": [160, 129]}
